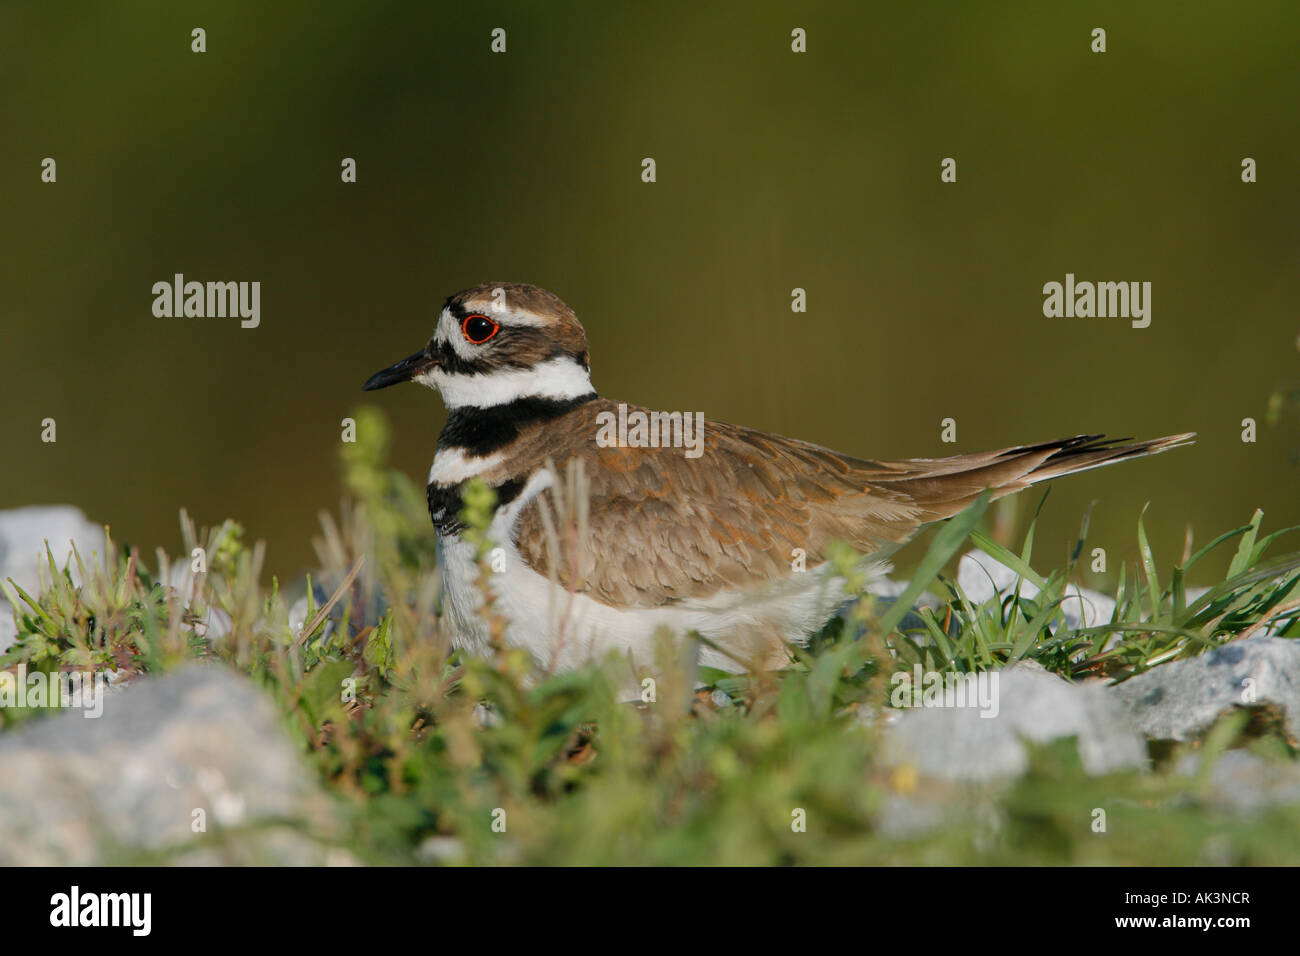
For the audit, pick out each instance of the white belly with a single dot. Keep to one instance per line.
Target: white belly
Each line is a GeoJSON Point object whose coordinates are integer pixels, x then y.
{"type": "Point", "coordinates": [562, 630]}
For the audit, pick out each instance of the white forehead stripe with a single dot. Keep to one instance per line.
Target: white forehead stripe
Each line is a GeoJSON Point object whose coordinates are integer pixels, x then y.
{"type": "Point", "coordinates": [558, 378]}
{"type": "Point", "coordinates": [449, 331]}
{"type": "Point", "coordinates": [449, 323]}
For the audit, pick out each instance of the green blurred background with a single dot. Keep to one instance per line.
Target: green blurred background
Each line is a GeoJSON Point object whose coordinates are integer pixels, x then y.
{"type": "Point", "coordinates": [775, 170]}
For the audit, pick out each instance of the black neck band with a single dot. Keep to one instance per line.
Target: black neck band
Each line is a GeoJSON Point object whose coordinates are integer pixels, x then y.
{"type": "Point", "coordinates": [481, 431]}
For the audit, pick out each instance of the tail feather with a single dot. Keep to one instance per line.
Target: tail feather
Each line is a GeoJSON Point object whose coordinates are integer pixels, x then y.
{"type": "Point", "coordinates": [945, 486]}
{"type": "Point", "coordinates": [1093, 451]}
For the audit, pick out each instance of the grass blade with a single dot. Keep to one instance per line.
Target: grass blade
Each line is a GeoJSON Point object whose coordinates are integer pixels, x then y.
{"type": "Point", "coordinates": [945, 545]}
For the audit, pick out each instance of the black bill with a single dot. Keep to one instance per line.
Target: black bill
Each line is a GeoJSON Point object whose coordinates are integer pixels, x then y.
{"type": "Point", "coordinates": [403, 371]}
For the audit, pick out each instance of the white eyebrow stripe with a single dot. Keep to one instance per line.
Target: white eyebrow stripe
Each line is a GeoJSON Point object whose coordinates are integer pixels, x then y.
{"type": "Point", "coordinates": [492, 310]}
{"type": "Point", "coordinates": [511, 317]}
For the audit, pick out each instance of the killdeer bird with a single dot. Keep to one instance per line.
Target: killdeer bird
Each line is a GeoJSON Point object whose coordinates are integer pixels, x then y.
{"type": "Point", "coordinates": [710, 542]}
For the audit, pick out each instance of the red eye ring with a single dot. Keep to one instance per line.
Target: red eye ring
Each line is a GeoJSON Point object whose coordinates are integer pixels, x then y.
{"type": "Point", "coordinates": [477, 329]}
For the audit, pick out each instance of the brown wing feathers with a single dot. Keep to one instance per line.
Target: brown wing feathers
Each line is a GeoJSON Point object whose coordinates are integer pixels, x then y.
{"type": "Point", "coordinates": [664, 528]}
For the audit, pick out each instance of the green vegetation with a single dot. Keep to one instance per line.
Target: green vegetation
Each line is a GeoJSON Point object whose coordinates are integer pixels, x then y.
{"type": "Point", "coordinates": [420, 745]}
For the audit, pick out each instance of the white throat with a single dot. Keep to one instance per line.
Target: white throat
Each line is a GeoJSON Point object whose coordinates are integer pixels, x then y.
{"type": "Point", "coordinates": [558, 378]}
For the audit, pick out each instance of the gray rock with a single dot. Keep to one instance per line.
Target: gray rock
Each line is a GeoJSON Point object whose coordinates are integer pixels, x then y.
{"type": "Point", "coordinates": [983, 577]}
{"type": "Point", "coordinates": [887, 592]}
{"type": "Point", "coordinates": [441, 849]}
{"type": "Point", "coordinates": [366, 609]}
{"type": "Point", "coordinates": [215, 624]}
{"type": "Point", "coordinates": [1182, 699]}
{"type": "Point", "coordinates": [93, 791]}
{"type": "Point", "coordinates": [904, 817]}
{"type": "Point", "coordinates": [957, 743]}
{"type": "Point", "coordinates": [1245, 783]}
{"type": "Point", "coordinates": [23, 533]}
{"type": "Point", "coordinates": [8, 626]}
{"type": "Point", "coordinates": [314, 601]}
{"type": "Point", "coordinates": [892, 590]}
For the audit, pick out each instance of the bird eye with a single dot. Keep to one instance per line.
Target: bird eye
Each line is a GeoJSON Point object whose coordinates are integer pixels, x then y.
{"type": "Point", "coordinates": [478, 328]}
